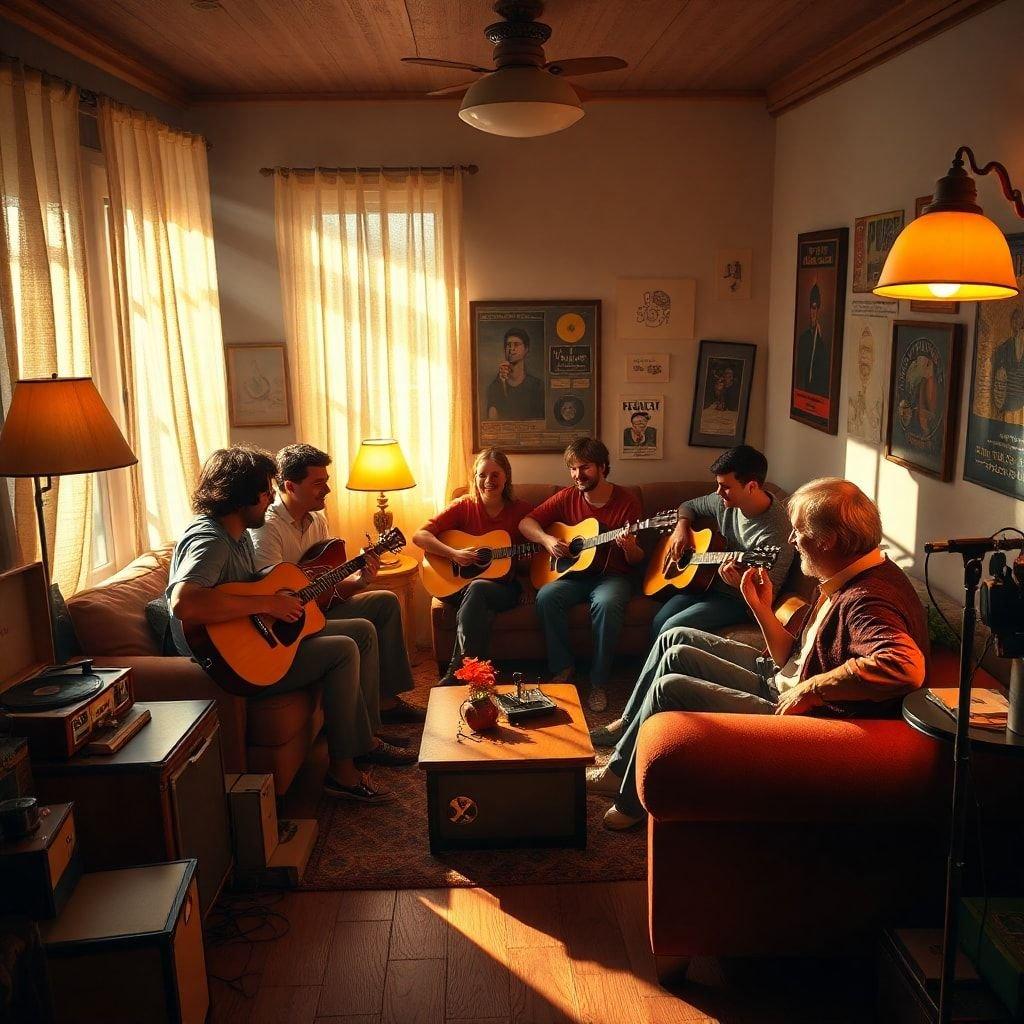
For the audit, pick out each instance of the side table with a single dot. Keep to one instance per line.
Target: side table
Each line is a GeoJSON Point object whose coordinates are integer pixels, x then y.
{"type": "Point", "coordinates": [401, 579]}
{"type": "Point", "coordinates": [924, 716]}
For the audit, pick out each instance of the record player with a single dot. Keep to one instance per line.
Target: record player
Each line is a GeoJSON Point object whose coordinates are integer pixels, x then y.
{"type": "Point", "coordinates": [58, 708]}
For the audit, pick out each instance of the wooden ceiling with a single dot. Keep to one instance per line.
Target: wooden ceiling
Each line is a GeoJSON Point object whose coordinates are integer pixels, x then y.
{"type": "Point", "coordinates": [201, 50]}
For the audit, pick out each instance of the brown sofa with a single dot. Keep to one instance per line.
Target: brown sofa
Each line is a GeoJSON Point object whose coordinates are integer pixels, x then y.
{"type": "Point", "coordinates": [271, 734]}
{"type": "Point", "coordinates": [517, 634]}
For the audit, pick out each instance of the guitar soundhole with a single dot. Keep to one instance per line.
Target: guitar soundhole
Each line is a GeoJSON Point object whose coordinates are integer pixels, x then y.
{"type": "Point", "coordinates": [676, 567]}
{"type": "Point", "coordinates": [564, 564]}
{"type": "Point", "coordinates": [288, 632]}
{"type": "Point", "coordinates": [470, 572]}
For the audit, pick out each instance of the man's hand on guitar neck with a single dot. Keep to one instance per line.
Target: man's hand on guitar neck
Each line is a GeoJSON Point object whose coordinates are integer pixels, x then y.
{"type": "Point", "coordinates": [630, 548]}
{"type": "Point", "coordinates": [369, 571]}
{"type": "Point", "coordinates": [729, 571]}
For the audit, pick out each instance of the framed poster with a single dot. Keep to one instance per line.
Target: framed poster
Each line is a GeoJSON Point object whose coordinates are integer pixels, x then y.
{"type": "Point", "coordinates": [947, 308]}
{"type": "Point", "coordinates": [872, 239]}
{"type": "Point", "coordinates": [867, 359]}
{"type": "Point", "coordinates": [924, 396]}
{"type": "Point", "coordinates": [721, 400]}
{"type": "Point", "coordinates": [646, 367]}
{"type": "Point", "coordinates": [656, 308]}
{"type": "Point", "coordinates": [995, 413]}
{"type": "Point", "coordinates": [640, 426]}
{"type": "Point", "coordinates": [535, 373]}
{"type": "Point", "coordinates": [257, 384]}
{"type": "Point", "coordinates": [818, 328]}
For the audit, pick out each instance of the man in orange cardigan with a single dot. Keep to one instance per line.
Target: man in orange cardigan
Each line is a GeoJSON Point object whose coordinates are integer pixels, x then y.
{"type": "Point", "coordinates": [862, 647]}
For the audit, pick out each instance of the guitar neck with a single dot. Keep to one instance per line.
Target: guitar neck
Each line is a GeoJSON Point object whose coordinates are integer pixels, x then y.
{"type": "Point", "coordinates": [515, 550]}
{"type": "Point", "coordinates": [716, 557]}
{"type": "Point", "coordinates": [603, 538]}
{"type": "Point", "coordinates": [327, 581]}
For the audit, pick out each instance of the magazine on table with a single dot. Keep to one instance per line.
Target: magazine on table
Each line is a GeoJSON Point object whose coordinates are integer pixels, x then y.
{"type": "Point", "coordinates": [989, 708]}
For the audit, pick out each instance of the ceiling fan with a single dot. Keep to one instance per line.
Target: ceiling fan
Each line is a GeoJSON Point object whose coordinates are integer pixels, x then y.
{"type": "Point", "coordinates": [523, 94]}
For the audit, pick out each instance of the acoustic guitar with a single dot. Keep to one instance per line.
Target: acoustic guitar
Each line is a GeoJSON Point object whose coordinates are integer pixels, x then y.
{"type": "Point", "coordinates": [248, 654]}
{"type": "Point", "coordinates": [443, 577]}
{"type": "Point", "coordinates": [695, 571]}
{"type": "Point", "coordinates": [583, 540]}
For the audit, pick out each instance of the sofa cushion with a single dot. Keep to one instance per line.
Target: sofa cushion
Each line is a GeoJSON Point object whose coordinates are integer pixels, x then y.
{"type": "Point", "coordinates": [111, 619]}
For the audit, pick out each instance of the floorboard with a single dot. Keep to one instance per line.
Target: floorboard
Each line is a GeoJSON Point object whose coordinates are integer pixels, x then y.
{"type": "Point", "coordinates": [414, 992]}
{"type": "Point", "coordinates": [420, 931]}
{"type": "Point", "coordinates": [356, 968]}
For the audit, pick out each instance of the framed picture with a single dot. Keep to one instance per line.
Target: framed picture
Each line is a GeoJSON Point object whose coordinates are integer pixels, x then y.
{"type": "Point", "coordinates": [872, 239]}
{"type": "Point", "coordinates": [924, 396]}
{"type": "Point", "coordinates": [818, 328]}
{"type": "Point", "coordinates": [641, 426]}
{"type": "Point", "coordinates": [995, 413]}
{"type": "Point", "coordinates": [867, 359]}
{"type": "Point", "coordinates": [721, 400]}
{"type": "Point", "coordinates": [535, 373]}
{"type": "Point", "coordinates": [656, 308]}
{"type": "Point", "coordinates": [947, 308]}
{"type": "Point", "coordinates": [647, 367]}
{"type": "Point", "coordinates": [733, 269]}
{"type": "Point", "coordinates": [258, 384]}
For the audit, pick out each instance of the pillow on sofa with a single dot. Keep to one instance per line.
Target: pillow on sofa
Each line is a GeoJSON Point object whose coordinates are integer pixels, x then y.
{"type": "Point", "coordinates": [158, 616]}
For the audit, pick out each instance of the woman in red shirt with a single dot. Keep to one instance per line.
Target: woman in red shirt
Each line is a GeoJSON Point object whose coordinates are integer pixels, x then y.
{"type": "Point", "coordinates": [490, 505]}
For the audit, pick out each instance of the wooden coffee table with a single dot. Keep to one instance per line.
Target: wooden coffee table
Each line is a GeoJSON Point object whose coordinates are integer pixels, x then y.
{"type": "Point", "coordinates": [516, 785]}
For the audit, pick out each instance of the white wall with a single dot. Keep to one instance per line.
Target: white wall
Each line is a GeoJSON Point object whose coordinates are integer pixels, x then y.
{"type": "Point", "coordinates": [635, 189]}
{"type": "Point", "coordinates": [871, 145]}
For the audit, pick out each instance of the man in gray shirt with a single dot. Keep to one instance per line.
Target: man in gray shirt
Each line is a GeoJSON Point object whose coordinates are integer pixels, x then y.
{"type": "Point", "coordinates": [232, 496]}
{"type": "Point", "coordinates": [748, 517]}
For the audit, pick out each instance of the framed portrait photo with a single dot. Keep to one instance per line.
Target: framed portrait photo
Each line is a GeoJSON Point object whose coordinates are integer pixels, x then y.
{"type": "Point", "coordinates": [818, 328]}
{"type": "Point", "coordinates": [258, 384]}
{"type": "Point", "coordinates": [535, 373]}
{"type": "Point", "coordinates": [721, 401]}
{"type": "Point", "coordinates": [924, 396]}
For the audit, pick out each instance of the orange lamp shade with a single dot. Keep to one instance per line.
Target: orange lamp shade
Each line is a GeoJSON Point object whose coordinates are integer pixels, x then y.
{"type": "Point", "coordinates": [379, 465]}
{"type": "Point", "coordinates": [949, 256]}
{"type": "Point", "coordinates": [59, 427]}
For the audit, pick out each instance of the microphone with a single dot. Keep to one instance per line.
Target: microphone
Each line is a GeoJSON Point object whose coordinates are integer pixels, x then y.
{"type": "Point", "coordinates": [973, 545]}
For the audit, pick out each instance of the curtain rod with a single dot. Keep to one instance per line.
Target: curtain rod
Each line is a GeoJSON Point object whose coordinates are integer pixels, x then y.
{"type": "Point", "coordinates": [268, 171]}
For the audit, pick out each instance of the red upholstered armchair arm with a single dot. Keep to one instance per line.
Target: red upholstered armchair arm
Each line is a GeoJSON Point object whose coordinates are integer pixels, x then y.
{"type": "Point", "coordinates": [166, 678]}
{"type": "Point", "coordinates": [718, 767]}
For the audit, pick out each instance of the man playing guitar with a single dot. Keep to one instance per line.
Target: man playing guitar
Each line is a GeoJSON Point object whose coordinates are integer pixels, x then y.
{"type": "Point", "coordinates": [232, 496]}
{"type": "Point", "coordinates": [294, 523]}
{"type": "Point", "coordinates": [606, 585]}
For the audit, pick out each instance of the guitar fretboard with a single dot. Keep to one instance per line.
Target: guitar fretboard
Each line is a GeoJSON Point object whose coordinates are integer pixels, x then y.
{"type": "Point", "coordinates": [515, 550]}
{"type": "Point", "coordinates": [327, 581]}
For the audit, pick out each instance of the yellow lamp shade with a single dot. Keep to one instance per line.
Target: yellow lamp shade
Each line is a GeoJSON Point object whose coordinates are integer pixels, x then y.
{"type": "Point", "coordinates": [379, 465]}
{"type": "Point", "coordinates": [59, 427]}
{"type": "Point", "coordinates": [949, 256]}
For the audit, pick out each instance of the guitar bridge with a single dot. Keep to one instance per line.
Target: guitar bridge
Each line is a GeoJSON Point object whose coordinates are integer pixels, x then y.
{"type": "Point", "coordinates": [264, 630]}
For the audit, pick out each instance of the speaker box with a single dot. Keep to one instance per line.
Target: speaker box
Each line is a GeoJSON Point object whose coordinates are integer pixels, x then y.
{"type": "Point", "coordinates": [39, 871]}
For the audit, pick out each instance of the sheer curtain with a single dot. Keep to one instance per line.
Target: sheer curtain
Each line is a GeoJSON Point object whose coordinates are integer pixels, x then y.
{"type": "Point", "coordinates": [372, 283]}
{"type": "Point", "coordinates": [169, 309]}
{"type": "Point", "coordinates": [44, 317]}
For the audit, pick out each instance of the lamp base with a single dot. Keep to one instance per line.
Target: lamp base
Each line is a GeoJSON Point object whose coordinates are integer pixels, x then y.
{"type": "Point", "coordinates": [383, 520]}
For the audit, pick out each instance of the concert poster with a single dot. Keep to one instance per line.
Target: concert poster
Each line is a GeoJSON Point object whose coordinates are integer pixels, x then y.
{"type": "Point", "coordinates": [641, 426]}
{"type": "Point", "coordinates": [535, 373]}
{"type": "Point", "coordinates": [818, 328]}
{"type": "Point", "coordinates": [994, 457]}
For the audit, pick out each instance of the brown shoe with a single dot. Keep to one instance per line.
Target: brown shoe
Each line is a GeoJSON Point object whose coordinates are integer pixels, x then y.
{"type": "Point", "coordinates": [402, 713]}
{"type": "Point", "coordinates": [386, 756]}
{"type": "Point", "coordinates": [363, 793]}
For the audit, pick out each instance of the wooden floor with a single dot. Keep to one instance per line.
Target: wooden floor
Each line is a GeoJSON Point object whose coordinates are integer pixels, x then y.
{"type": "Point", "coordinates": [562, 953]}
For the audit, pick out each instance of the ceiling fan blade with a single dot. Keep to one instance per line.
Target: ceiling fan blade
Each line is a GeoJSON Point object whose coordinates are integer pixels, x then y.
{"type": "Point", "coordinates": [436, 62]}
{"type": "Point", "coordinates": [451, 90]}
{"type": "Point", "coordinates": [584, 65]}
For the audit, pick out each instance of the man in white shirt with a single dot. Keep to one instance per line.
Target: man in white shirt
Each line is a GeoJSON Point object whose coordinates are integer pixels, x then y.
{"type": "Point", "coordinates": [294, 523]}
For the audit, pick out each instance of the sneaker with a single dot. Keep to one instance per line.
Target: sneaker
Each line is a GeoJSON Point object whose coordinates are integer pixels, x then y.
{"type": "Point", "coordinates": [403, 713]}
{"type": "Point", "coordinates": [606, 736]}
{"type": "Point", "coordinates": [387, 756]}
{"type": "Point", "coordinates": [619, 821]}
{"type": "Point", "coordinates": [597, 699]}
{"type": "Point", "coordinates": [363, 793]}
{"type": "Point", "coordinates": [603, 782]}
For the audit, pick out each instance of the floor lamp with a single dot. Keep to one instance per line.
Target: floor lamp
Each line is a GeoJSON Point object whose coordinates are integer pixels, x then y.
{"type": "Point", "coordinates": [379, 465]}
{"type": "Point", "coordinates": [953, 252]}
{"type": "Point", "coordinates": [59, 426]}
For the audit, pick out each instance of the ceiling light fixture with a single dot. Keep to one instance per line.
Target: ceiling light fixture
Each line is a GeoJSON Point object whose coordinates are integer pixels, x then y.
{"type": "Point", "coordinates": [521, 103]}
{"type": "Point", "coordinates": [953, 251]}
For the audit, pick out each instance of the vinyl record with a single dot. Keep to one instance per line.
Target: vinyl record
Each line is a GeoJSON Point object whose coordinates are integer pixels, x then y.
{"type": "Point", "coordinates": [46, 692]}
{"type": "Point", "coordinates": [570, 327]}
{"type": "Point", "coordinates": [568, 411]}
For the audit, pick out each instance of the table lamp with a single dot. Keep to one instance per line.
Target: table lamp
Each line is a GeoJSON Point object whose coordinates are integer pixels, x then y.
{"type": "Point", "coordinates": [59, 426]}
{"type": "Point", "coordinates": [379, 465]}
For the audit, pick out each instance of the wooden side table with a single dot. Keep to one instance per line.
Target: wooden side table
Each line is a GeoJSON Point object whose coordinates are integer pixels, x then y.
{"type": "Point", "coordinates": [401, 581]}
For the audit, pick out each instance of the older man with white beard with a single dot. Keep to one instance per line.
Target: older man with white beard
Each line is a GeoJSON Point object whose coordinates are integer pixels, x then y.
{"type": "Point", "coordinates": [862, 647]}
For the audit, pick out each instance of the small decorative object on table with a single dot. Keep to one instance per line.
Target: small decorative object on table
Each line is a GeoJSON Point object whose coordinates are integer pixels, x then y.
{"type": "Point", "coordinates": [479, 711]}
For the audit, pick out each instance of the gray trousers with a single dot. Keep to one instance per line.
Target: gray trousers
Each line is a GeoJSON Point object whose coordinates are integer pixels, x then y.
{"type": "Point", "coordinates": [696, 671]}
{"type": "Point", "coordinates": [374, 620]}
{"type": "Point", "coordinates": [477, 604]}
{"type": "Point", "coordinates": [351, 699]}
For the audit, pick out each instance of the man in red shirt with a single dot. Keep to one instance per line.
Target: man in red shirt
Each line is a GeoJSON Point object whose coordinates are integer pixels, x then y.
{"type": "Point", "coordinates": [607, 584]}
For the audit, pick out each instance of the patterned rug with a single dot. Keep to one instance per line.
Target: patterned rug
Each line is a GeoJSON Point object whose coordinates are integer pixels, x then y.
{"type": "Point", "coordinates": [386, 847]}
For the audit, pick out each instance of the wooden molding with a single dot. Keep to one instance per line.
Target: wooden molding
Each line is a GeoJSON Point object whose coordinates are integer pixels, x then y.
{"type": "Point", "coordinates": [911, 23]}
{"type": "Point", "coordinates": [66, 35]}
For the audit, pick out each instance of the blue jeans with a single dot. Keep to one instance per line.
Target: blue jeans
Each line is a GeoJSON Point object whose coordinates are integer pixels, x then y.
{"type": "Point", "coordinates": [607, 596]}
{"type": "Point", "coordinates": [477, 605]}
{"type": "Point", "coordinates": [696, 671]}
{"type": "Point", "coordinates": [710, 610]}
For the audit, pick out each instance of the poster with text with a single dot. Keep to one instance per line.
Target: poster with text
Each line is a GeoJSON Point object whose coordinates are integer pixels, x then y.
{"type": "Point", "coordinates": [872, 239]}
{"type": "Point", "coordinates": [640, 426]}
{"type": "Point", "coordinates": [866, 374]}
